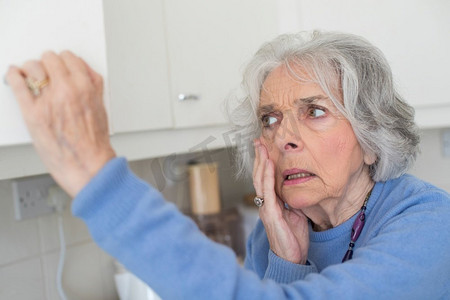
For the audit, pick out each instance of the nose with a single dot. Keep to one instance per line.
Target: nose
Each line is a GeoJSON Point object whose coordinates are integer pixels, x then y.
{"type": "Point", "coordinates": [290, 146]}
{"type": "Point", "coordinates": [288, 136]}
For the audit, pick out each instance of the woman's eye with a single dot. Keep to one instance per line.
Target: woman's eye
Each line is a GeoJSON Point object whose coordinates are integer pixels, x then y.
{"type": "Point", "coordinates": [316, 112]}
{"type": "Point", "coordinates": [267, 121]}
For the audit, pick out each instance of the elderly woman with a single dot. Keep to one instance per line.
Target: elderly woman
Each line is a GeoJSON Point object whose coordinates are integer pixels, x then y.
{"type": "Point", "coordinates": [333, 139]}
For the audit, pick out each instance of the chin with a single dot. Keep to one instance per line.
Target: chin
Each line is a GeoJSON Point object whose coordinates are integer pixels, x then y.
{"type": "Point", "coordinates": [297, 198]}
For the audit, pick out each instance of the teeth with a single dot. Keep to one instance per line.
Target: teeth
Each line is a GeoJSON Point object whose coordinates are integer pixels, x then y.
{"type": "Point", "coordinates": [298, 175]}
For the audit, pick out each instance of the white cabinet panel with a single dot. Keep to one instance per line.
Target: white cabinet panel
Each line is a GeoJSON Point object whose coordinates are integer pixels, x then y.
{"type": "Point", "coordinates": [412, 34]}
{"type": "Point", "coordinates": [137, 65]}
{"type": "Point", "coordinates": [28, 28]}
{"type": "Point", "coordinates": [122, 40]}
{"type": "Point", "coordinates": [208, 43]}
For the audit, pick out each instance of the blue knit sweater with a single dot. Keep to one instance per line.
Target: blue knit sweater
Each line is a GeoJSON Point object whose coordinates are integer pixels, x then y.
{"type": "Point", "coordinates": [402, 253]}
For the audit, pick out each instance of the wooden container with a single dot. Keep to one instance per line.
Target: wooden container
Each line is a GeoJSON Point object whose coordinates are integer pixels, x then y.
{"type": "Point", "coordinates": [204, 189]}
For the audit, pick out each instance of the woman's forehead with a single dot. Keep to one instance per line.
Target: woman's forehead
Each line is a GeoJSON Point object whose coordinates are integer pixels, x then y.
{"type": "Point", "coordinates": [281, 86]}
{"type": "Point", "coordinates": [287, 74]}
{"type": "Point", "coordinates": [290, 85]}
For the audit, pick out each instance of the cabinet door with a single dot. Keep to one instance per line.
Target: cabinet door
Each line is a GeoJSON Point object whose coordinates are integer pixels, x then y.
{"type": "Point", "coordinates": [28, 28]}
{"type": "Point", "coordinates": [412, 34]}
{"type": "Point", "coordinates": [137, 65]}
{"type": "Point", "coordinates": [208, 43]}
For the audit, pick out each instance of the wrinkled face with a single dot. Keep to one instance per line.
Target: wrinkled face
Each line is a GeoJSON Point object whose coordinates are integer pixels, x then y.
{"type": "Point", "coordinates": [313, 147]}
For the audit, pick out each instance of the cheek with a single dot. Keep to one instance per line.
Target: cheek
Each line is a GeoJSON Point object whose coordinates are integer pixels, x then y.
{"type": "Point", "coordinates": [341, 146]}
{"type": "Point", "coordinates": [348, 145]}
{"type": "Point", "coordinates": [342, 152]}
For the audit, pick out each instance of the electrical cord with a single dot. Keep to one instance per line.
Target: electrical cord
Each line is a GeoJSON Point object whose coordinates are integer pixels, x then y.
{"type": "Point", "coordinates": [62, 256]}
{"type": "Point", "coordinates": [58, 199]}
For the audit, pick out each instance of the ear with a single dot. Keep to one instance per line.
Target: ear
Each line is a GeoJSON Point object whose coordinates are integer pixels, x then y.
{"type": "Point", "coordinates": [369, 158]}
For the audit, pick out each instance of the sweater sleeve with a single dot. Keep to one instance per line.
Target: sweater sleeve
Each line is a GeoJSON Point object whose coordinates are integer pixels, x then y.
{"type": "Point", "coordinates": [130, 220]}
{"type": "Point", "coordinates": [283, 271]}
{"type": "Point", "coordinates": [133, 223]}
{"type": "Point", "coordinates": [267, 264]}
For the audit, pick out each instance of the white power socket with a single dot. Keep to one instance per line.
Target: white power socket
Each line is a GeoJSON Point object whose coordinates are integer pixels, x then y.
{"type": "Point", "coordinates": [31, 196]}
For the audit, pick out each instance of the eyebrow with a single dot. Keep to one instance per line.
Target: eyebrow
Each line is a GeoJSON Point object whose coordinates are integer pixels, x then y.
{"type": "Point", "coordinates": [309, 100]}
{"type": "Point", "coordinates": [265, 109]}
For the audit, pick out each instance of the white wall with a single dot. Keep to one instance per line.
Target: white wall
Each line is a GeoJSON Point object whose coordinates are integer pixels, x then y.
{"type": "Point", "coordinates": [431, 164]}
{"type": "Point", "coordinates": [413, 35]}
{"type": "Point", "coordinates": [29, 249]}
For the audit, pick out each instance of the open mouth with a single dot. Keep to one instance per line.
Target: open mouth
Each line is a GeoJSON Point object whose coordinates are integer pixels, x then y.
{"type": "Point", "coordinates": [298, 175]}
{"type": "Point", "coordinates": [295, 176]}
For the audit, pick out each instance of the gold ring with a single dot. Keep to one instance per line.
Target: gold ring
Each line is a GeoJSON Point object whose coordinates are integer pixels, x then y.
{"type": "Point", "coordinates": [35, 86]}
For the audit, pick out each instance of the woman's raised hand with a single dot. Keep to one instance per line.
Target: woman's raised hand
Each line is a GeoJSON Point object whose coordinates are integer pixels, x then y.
{"type": "Point", "coordinates": [66, 118]}
{"type": "Point", "coordinates": [287, 229]}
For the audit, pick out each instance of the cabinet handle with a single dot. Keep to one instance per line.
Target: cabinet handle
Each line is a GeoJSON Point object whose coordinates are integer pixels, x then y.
{"type": "Point", "coordinates": [183, 97]}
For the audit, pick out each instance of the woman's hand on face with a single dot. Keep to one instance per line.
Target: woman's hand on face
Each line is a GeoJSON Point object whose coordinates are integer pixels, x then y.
{"type": "Point", "coordinates": [67, 120]}
{"type": "Point", "coordinates": [287, 229]}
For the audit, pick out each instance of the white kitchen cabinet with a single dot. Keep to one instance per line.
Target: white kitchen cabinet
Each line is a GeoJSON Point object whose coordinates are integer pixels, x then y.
{"type": "Point", "coordinates": [122, 40]}
{"type": "Point", "coordinates": [201, 44]}
{"type": "Point", "coordinates": [148, 52]}
{"type": "Point", "coordinates": [208, 44]}
{"type": "Point", "coordinates": [137, 65]}
{"type": "Point", "coordinates": [412, 34]}
{"type": "Point", "coordinates": [28, 28]}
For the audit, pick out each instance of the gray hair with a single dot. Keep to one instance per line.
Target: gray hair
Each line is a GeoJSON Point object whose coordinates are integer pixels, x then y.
{"type": "Point", "coordinates": [346, 67]}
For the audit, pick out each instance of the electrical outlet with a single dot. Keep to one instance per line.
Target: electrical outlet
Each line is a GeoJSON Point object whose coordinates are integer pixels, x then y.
{"type": "Point", "coordinates": [31, 196]}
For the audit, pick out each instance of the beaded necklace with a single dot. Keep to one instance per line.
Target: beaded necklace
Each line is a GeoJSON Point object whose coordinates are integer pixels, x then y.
{"type": "Point", "coordinates": [358, 226]}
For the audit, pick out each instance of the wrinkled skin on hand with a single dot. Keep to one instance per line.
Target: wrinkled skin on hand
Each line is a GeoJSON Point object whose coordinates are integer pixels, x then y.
{"type": "Point", "coordinates": [287, 229]}
{"type": "Point", "coordinates": [67, 120]}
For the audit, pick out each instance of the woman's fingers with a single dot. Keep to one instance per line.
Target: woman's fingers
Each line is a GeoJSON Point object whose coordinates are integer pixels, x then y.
{"type": "Point", "coordinates": [34, 70]}
{"type": "Point", "coordinates": [66, 118]}
{"type": "Point", "coordinates": [272, 204]}
{"type": "Point", "coordinates": [269, 185]}
{"type": "Point", "coordinates": [281, 238]}
{"type": "Point", "coordinates": [256, 145]}
{"type": "Point", "coordinates": [16, 80]}
{"type": "Point", "coordinates": [54, 67]}
{"type": "Point", "coordinates": [264, 181]}
{"type": "Point", "coordinates": [95, 77]}
{"type": "Point", "coordinates": [258, 168]}
{"type": "Point", "coordinates": [263, 176]}
{"type": "Point", "coordinates": [287, 232]}
{"type": "Point", "coordinates": [74, 64]}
